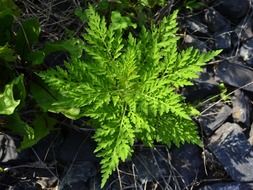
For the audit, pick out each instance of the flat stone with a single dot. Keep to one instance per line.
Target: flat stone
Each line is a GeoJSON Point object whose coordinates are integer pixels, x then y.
{"type": "Point", "coordinates": [244, 29]}
{"type": "Point", "coordinates": [214, 117]}
{"type": "Point", "coordinates": [215, 21]}
{"type": "Point", "coordinates": [196, 27]}
{"type": "Point", "coordinates": [8, 150]}
{"type": "Point", "coordinates": [222, 41]}
{"type": "Point", "coordinates": [231, 147]}
{"type": "Point", "coordinates": [228, 186]}
{"type": "Point", "coordinates": [188, 163]}
{"type": "Point", "coordinates": [241, 108]}
{"type": "Point", "coordinates": [232, 9]}
{"type": "Point", "coordinates": [77, 175]}
{"type": "Point", "coordinates": [246, 51]}
{"type": "Point", "coordinates": [191, 41]}
{"type": "Point", "coordinates": [234, 74]}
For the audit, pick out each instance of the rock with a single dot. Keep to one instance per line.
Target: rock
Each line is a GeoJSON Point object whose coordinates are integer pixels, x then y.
{"type": "Point", "coordinates": [232, 9]}
{"type": "Point", "coordinates": [77, 176]}
{"type": "Point", "coordinates": [251, 135]}
{"type": "Point", "coordinates": [76, 146]}
{"type": "Point", "coordinates": [205, 86]}
{"type": "Point", "coordinates": [188, 163]}
{"type": "Point", "coordinates": [150, 165]}
{"type": "Point", "coordinates": [215, 21]}
{"type": "Point", "coordinates": [235, 74]}
{"type": "Point", "coordinates": [47, 182]}
{"type": "Point", "coordinates": [244, 29]}
{"type": "Point", "coordinates": [214, 169]}
{"type": "Point", "coordinates": [196, 27]}
{"type": "Point", "coordinates": [234, 152]}
{"type": "Point", "coordinates": [214, 117]}
{"type": "Point", "coordinates": [222, 41]}
{"type": "Point", "coordinates": [191, 41]}
{"type": "Point", "coordinates": [228, 186]}
{"type": "Point", "coordinates": [241, 108]}
{"type": "Point", "coordinates": [246, 51]}
{"type": "Point", "coordinates": [8, 150]}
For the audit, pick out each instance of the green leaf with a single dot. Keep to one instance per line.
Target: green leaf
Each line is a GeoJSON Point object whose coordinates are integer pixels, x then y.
{"type": "Point", "coordinates": [42, 125]}
{"type": "Point", "coordinates": [27, 35]}
{"type": "Point", "coordinates": [7, 54]}
{"type": "Point", "coordinates": [46, 99]}
{"type": "Point", "coordinates": [7, 102]}
{"type": "Point", "coordinates": [73, 46]}
{"type": "Point", "coordinates": [15, 124]}
{"type": "Point", "coordinates": [120, 22]}
{"type": "Point", "coordinates": [8, 11]}
{"type": "Point", "coordinates": [19, 89]}
{"type": "Point", "coordinates": [193, 4]}
{"type": "Point", "coordinates": [36, 57]}
{"type": "Point", "coordinates": [8, 7]}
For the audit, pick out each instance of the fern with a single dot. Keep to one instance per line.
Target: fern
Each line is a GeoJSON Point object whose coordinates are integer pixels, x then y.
{"type": "Point", "coordinates": [130, 86]}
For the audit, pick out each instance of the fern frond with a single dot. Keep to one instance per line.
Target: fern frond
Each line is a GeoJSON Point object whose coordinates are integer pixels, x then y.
{"type": "Point", "coordinates": [129, 86]}
{"type": "Point", "coordinates": [113, 145]}
{"type": "Point", "coordinates": [171, 129]}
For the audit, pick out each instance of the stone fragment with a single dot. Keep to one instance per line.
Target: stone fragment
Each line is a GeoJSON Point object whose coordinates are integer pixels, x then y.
{"type": "Point", "coordinates": [231, 147]}
{"type": "Point", "coordinates": [228, 186]}
{"type": "Point", "coordinates": [222, 41]}
{"type": "Point", "coordinates": [8, 150]}
{"type": "Point", "coordinates": [215, 21]}
{"type": "Point", "coordinates": [246, 51]}
{"type": "Point", "coordinates": [244, 29]}
{"type": "Point", "coordinates": [196, 27]}
{"type": "Point", "coordinates": [214, 117]}
{"type": "Point", "coordinates": [234, 74]}
{"type": "Point", "coordinates": [241, 108]}
{"type": "Point", "coordinates": [77, 176]}
{"type": "Point", "coordinates": [232, 9]}
{"type": "Point", "coordinates": [191, 41]}
{"type": "Point", "coordinates": [188, 163]}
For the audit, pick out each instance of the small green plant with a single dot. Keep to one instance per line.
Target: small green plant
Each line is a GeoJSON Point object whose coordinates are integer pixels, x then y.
{"type": "Point", "coordinates": [17, 38]}
{"type": "Point", "coordinates": [129, 86]}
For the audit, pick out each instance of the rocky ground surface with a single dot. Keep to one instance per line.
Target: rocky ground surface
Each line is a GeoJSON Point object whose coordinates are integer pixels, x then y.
{"type": "Point", "coordinates": [65, 159]}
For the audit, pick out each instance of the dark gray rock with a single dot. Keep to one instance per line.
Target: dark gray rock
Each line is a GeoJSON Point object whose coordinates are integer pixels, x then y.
{"type": "Point", "coordinates": [76, 146]}
{"type": "Point", "coordinates": [246, 51]}
{"type": "Point", "coordinates": [188, 163]}
{"type": "Point", "coordinates": [232, 9]}
{"type": "Point", "coordinates": [250, 139]}
{"type": "Point", "coordinates": [215, 21]}
{"type": "Point", "coordinates": [244, 29]}
{"type": "Point", "coordinates": [241, 108]}
{"type": "Point", "coordinates": [195, 27]}
{"type": "Point", "coordinates": [228, 186]}
{"type": "Point", "coordinates": [8, 150]}
{"type": "Point", "coordinates": [191, 41]}
{"type": "Point", "coordinates": [150, 165]}
{"type": "Point", "coordinates": [77, 176]}
{"type": "Point", "coordinates": [234, 74]}
{"type": "Point", "coordinates": [231, 147]}
{"type": "Point", "coordinates": [214, 117]}
{"type": "Point", "coordinates": [205, 86]}
{"type": "Point", "coordinates": [222, 41]}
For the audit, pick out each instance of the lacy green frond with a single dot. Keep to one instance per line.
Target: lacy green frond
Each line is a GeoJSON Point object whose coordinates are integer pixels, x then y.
{"type": "Point", "coordinates": [129, 85]}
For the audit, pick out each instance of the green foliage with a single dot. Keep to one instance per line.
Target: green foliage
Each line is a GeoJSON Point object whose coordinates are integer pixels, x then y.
{"type": "Point", "coordinates": [130, 86]}
{"type": "Point", "coordinates": [7, 102]}
{"type": "Point", "coordinates": [17, 47]}
{"type": "Point", "coordinates": [7, 54]}
{"type": "Point", "coordinates": [193, 4]}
